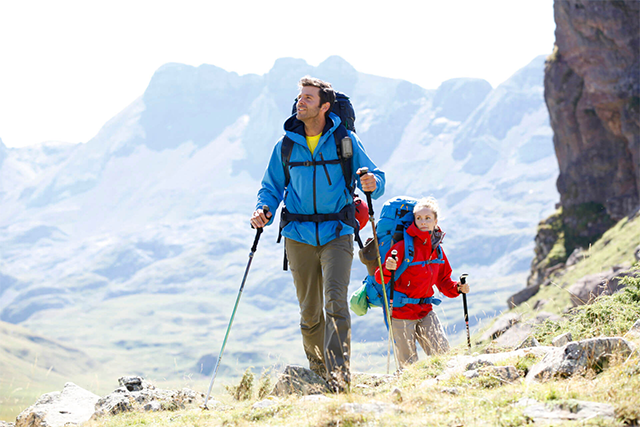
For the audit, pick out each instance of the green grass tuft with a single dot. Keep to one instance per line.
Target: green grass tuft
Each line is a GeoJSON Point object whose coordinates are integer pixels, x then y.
{"type": "Point", "coordinates": [608, 315]}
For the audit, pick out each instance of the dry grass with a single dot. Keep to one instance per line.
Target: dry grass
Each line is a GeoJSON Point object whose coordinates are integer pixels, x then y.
{"type": "Point", "coordinates": [457, 401]}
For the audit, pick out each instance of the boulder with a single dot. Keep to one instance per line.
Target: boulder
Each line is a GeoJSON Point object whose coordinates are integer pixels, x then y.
{"type": "Point", "coordinates": [528, 342]}
{"type": "Point", "coordinates": [587, 289]}
{"type": "Point", "coordinates": [522, 295]}
{"type": "Point", "coordinates": [135, 383]}
{"type": "Point", "coordinates": [477, 364]}
{"type": "Point", "coordinates": [635, 329]}
{"type": "Point", "coordinates": [576, 357]}
{"type": "Point", "coordinates": [503, 323]}
{"type": "Point", "coordinates": [137, 394]}
{"type": "Point", "coordinates": [73, 405]}
{"type": "Point", "coordinates": [562, 340]}
{"type": "Point", "coordinates": [576, 255]}
{"type": "Point", "coordinates": [504, 373]}
{"type": "Point", "coordinates": [514, 335]}
{"type": "Point", "coordinates": [298, 380]}
{"type": "Point", "coordinates": [565, 411]}
{"type": "Point", "coordinates": [461, 363]}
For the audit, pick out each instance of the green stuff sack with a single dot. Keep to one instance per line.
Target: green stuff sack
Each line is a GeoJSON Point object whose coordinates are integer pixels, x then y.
{"type": "Point", "coordinates": [358, 301]}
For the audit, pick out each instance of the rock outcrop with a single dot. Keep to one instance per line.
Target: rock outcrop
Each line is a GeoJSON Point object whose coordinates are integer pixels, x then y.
{"type": "Point", "coordinates": [75, 405]}
{"type": "Point", "coordinates": [298, 380]}
{"type": "Point", "coordinates": [71, 406]}
{"type": "Point", "coordinates": [592, 90]}
{"type": "Point", "coordinates": [135, 393]}
{"type": "Point", "coordinates": [572, 410]}
{"type": "Point", "coordinates": [577, 357]}
{"type": "Point", "coordinates": [588, 288]}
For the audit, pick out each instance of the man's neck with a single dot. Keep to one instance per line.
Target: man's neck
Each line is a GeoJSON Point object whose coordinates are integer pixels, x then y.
{"type": "Point", "coordinates": [314, 127]}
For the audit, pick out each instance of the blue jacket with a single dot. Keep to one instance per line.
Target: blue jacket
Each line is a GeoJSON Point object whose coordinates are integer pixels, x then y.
{"type": "Point", "coordinates": [312, 190]}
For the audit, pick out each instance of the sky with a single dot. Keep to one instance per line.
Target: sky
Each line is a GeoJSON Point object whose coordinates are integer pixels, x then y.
{"type": "Point", "coordinates": [67, 67]}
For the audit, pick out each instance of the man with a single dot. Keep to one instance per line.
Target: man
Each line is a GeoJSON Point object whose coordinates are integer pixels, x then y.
{"type": "Point", "coordinates": [318, 222]}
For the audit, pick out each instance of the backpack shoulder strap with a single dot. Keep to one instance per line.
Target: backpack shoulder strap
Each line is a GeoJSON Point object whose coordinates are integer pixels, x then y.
{"type": "Point", "coordinates": [285, 154]}
{"type": "Point", "coordinates": [408, 255]}
{"type": "Point", "coordinates": [347, 164]}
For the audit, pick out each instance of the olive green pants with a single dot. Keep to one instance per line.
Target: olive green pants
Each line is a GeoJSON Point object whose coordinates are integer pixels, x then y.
{"type": "Point", "coordinates": [321, 276]}
{"type": "Point", "coordinates": [427, 331]}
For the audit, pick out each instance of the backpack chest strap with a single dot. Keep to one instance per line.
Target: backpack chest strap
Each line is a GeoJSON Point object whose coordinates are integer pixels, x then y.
{"type": "Point", "coordinates": [424, 263]}
{"type": "Point", "coordinates": [401, 301]}
{"type": "Point", "coordinates": [315, 163]}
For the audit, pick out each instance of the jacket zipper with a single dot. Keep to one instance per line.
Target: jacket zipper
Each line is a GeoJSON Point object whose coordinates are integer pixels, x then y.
{"type": "Point", "coordinates": [315, 208]}
{"type": "Point", "coordinates": [325, 169]}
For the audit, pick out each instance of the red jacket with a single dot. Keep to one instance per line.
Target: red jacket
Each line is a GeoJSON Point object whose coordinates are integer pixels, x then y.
{"type": "Point", "coordinates": [417, 281]}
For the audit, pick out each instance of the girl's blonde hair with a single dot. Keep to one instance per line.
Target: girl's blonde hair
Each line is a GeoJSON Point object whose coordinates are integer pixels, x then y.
{"type": "Point", "coordinates": [428, 202]}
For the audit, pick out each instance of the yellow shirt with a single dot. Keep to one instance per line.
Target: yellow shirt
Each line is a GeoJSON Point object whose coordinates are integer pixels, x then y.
{"type": "Point", "coordinates": [312, 142]}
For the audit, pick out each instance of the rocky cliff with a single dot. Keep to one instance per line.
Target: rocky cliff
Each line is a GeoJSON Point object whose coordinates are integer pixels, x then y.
{"type": "Point", "coordinates": [592, 91]}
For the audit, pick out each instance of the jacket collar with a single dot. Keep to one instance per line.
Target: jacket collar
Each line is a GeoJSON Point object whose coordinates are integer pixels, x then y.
{"type": "Point", "coordinates": [435, 238]}
{"type": "Point", "coordinates": [294, 129]}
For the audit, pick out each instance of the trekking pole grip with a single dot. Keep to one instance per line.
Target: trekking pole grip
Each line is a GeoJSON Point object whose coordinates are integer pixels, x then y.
{"type": "Point", "coordinates": [394, 255]}
{"type": "Point", "coordinates": [364, 171]}
{"type": "Point", "coordinates": [254, 248]}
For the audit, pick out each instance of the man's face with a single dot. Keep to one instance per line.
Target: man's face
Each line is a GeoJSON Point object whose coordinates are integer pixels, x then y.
{"type": "Point", "coordinates": [308, 106]}
{"type": "Point", "coordinates": [425, 219]}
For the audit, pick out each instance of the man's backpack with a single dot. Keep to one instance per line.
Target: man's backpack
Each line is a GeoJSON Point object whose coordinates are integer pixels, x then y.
{"type": "Point", "coordinates": [395, 217]}
{"type": "Point", "coordinates": [343, 108]}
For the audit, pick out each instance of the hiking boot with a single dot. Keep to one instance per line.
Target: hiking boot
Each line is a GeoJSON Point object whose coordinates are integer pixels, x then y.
{"type": "Point", "coordinates": [318, 367]}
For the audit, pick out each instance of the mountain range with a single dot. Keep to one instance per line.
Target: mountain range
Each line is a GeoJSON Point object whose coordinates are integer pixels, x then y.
{"type": "Point", "coordinates": [132, 246]}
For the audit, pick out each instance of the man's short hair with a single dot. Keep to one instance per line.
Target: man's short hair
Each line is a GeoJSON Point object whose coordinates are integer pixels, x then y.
{"type": "Point", "coordinates": [428, 202]}
{"type": "Point", "coordinates": [327, 94]}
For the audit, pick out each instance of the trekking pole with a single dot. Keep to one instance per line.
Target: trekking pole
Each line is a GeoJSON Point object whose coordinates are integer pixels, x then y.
{"type": "Point", "coordinates": [364, 171]}
{"type": "Point", "coordinates": [265, 209]}
{"type": "Point", "coordinates": [392, 281]}
{"type": "Point", "coordinates": [463, 280]}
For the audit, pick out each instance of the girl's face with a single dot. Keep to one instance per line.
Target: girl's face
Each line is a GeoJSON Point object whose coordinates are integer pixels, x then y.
{"type": "Point", "coordinates": [425, 219]}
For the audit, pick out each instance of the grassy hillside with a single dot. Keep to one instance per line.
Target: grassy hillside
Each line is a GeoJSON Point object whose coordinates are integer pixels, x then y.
{"type": "Point", "coordinates": [31, 365]}
{"type": "Point", "coordinates": [615, 247]}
